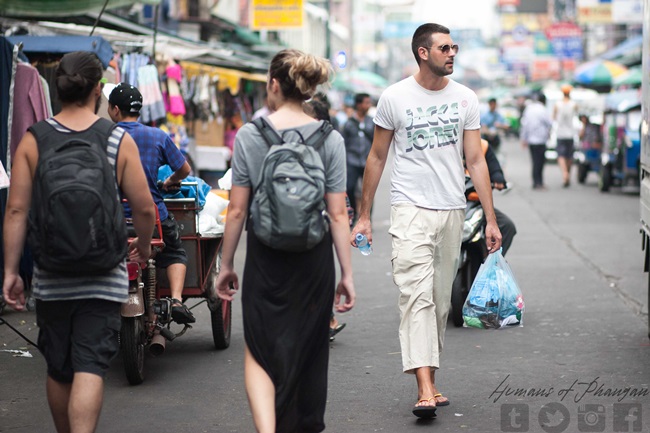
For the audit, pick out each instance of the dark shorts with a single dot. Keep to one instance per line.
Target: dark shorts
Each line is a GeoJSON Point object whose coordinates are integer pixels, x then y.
{"type": "Point", "coordinates": [565, 148]}
{"type": "Point", "coordinates": [173, 252]}
{"type": "Point", "coordinates": [78, 336]}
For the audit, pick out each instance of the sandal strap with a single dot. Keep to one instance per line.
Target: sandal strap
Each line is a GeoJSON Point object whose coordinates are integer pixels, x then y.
{"type": "Point", "coordinates": [426, 400]}
{"type": "Point", "coordinates": [176, 301]}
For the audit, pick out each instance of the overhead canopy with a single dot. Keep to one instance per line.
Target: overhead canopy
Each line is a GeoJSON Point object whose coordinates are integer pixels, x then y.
{"type": "Point", "coordinates": [65, 44]}
{"type": "Point", "coordinates": [50, 8]}
{"type": "Point", "coordinates": [627, 53]}
{"type": "Point", "coordinates": [623, 101]}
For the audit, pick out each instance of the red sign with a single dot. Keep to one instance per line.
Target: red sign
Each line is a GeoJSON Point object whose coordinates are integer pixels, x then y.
{"type": "Point", "coordinates": [563, 30]}
{"type": "Point", "coordinates": [509, 2]}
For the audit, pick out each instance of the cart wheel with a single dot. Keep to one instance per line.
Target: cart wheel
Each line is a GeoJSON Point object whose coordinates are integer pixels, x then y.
{"type": "Point", "coordinates": [583, 169]}
{"type": "Point", "coordinates": [221, 317]}
{"type": "Point", "coordinates": [457, 299]}
{"type": "Point", "coordinates": [220, 311]}
{"type": "Point", "coordinates": [132, 347]}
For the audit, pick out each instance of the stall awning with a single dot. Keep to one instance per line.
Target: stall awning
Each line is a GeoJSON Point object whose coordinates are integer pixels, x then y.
{"type": "Point", "coordinates": [65, 44]}
{"type": "Point", "coordinates": [228, 78]}
{"type": "Point", "coordinates": [50, 8]}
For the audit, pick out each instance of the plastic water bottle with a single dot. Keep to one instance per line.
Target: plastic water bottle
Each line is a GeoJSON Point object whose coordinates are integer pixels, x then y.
{"type": "Point", "coordinates": [363, 245]}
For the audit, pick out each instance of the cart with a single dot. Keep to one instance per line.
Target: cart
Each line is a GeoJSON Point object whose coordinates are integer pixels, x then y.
{"type": "Point", "coordinates": [146, 318]}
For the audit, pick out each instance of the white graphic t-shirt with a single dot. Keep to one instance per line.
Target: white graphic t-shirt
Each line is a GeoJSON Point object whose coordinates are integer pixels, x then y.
{"type": "Point", "coordinates": [428, 141]}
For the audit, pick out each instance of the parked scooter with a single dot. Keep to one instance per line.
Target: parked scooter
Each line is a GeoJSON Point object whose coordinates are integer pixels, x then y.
{"type": "Point", "coordinates": [473, 251]}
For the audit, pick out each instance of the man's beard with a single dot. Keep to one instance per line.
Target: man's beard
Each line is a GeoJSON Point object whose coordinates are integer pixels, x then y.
{"type": "Point", "coordinates": [440, 71]}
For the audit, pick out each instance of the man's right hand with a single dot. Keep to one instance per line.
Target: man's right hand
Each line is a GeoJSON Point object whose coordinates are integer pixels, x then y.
{"type": "Point", "coordinates": [13, 291]}
{"type": "Point", "coordinates": [364, 227]}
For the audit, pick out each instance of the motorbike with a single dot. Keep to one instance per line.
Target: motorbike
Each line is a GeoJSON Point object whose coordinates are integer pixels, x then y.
{"type": "Point", "coordinates": [473, 252]}
{"type": "Point", "coordinates": [146, 316]}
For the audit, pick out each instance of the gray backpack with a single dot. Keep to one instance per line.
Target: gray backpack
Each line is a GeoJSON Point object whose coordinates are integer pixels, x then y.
{"type": "Point", "coordinates": [288, 204]}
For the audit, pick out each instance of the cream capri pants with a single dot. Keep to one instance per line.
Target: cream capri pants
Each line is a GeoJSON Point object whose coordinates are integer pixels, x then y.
{"type": "Point", "coordinates": [426, 248]}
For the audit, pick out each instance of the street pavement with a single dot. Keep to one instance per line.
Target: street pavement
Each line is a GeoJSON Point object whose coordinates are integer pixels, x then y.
{"type": "Point", "coordinates": [581, 362]}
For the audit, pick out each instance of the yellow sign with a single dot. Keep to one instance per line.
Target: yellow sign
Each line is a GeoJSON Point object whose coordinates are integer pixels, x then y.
{"type": "Point", "coordinates": [276, 14]}
{"type": "Point", "coordinates": [598, 14]}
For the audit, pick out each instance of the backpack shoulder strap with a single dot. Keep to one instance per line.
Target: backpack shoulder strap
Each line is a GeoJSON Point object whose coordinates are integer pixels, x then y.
{"type": "Point", "coordinates": [41, 130]}
{"type": "Point", "coordinates": [268, 133]}
{"type": "Point", "coordinates": [317, 139]}
{"type": "Point", "coordinates": [104, 127]}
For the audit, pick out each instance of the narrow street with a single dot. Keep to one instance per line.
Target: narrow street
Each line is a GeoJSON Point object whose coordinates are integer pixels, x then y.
{"type": "Point", "coordinates": [581, 362]}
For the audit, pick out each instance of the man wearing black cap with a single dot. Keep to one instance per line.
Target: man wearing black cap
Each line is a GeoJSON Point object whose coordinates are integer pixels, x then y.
{"type": "Point", "coordinates": [156, 149]}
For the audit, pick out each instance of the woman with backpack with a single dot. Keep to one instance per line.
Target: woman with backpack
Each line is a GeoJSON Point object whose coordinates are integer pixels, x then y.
{"type": "Point", "coordinates": [288, 292]}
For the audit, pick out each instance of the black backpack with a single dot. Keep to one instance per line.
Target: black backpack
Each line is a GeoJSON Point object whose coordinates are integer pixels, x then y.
{"type": "Point", "coordinates": [76, 220]}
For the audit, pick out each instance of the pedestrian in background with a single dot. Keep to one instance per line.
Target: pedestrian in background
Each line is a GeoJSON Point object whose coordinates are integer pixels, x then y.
{"type": "Point", "coordinates": [319, 110]}
{"type": "Point", "coordinates": [430, 121]}
{"type": "Point", "coordinates": [358, 133]}
{"type": "Point", "coordinates": [78, 316]}
{"type": "Point", "coordinates": [534, 133]}
{"type": "Point", "coordinates": [491, 122]}
{"type": "Point", "coordinates": [564, 112]}
{"type": "Point", "coordinates": [287, 296]}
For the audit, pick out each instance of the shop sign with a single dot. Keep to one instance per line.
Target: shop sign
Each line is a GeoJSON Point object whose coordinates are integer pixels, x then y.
{"type": "Point", "coordinates": [594, 11]}
{"type": "Point", "coordinates": [276, 14]}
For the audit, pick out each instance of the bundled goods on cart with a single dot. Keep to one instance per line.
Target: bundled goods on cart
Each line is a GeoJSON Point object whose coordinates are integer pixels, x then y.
{"type": "Point", "coordinates": [212, 205]}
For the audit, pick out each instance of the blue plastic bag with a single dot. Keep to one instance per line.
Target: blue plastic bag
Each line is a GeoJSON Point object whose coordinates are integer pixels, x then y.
{"type": "Point", "coordinates": [495, 300]}
{"type": "Point", "coordinates": [186, 191]}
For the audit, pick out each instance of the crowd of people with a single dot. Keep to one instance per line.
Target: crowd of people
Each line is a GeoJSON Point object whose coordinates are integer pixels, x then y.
{"type": "Point", "coordinates": [287, 296]}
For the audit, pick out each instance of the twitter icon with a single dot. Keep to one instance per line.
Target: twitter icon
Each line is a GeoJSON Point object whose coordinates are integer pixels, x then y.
{"type": "Point", "coordinates": [554, 418]}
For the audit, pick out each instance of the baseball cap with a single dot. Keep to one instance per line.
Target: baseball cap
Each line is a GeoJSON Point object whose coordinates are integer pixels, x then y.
{"type": "Point", "coordinates": [124, 96]}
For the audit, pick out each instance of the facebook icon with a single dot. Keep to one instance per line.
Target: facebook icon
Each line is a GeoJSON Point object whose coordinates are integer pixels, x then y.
{"type": "Point", "coordinates": [627, 417]}
{"type": "Point", "coordinates": [514, 417]}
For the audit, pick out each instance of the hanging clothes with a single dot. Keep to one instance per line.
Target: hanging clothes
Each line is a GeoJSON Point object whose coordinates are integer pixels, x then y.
{"type": "Point", "coordinates": [7, 64]}
{"type": "Point", "coordinates": [153, 107]}
{"type": "Point", "coordinates": [174, 77]}
{"type": "Point", "coordinates": [29, 102]}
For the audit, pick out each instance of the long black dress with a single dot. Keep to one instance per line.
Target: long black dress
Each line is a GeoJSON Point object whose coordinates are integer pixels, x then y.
{"type": "Point", "coordinates": [287, 300]}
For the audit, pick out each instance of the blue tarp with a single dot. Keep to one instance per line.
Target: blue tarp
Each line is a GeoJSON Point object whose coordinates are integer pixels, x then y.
{"type": "Point", "coordinates": [65, 44]}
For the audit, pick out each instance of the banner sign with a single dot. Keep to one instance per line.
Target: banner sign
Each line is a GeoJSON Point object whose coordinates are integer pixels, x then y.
{"type": "Point", "coordinates": [276, 14]}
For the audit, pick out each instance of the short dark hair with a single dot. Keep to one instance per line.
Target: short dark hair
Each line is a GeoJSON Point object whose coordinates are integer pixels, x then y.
{"type": "Point", "coordinates": [492, 101]}
{"type": "Point", "coordinates": [422, 37]}
{"type": "Point", "coordinates": [317, 109]}
{"type": "Point", "coordinates": [359, 98]}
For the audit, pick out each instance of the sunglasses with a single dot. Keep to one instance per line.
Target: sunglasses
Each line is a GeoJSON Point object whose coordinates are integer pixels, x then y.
{"type": "Point", "coordinates": [445, 48]}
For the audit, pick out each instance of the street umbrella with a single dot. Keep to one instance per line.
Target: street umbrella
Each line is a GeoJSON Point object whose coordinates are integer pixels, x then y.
{"type": "Point", "coordinates": [632, 77]}
{"type": "Point", "coordinates": [598, 72]}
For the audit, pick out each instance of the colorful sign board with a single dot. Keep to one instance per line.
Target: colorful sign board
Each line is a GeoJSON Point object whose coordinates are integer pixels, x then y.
{"type": "Point", "coordinates": [276, 14]}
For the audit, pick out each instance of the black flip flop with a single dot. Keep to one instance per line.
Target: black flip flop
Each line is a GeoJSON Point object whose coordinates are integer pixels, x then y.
{"type": "Point", "coordinates": [425, 411]}
{"type": "Point", "coordinates": [334, 331]}
{"type": "Point", "coordinates": [442, 403]}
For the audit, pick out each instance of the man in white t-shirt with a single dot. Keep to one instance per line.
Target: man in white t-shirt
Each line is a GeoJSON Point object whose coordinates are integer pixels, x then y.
{"type": "Point", "coordinates": [428, 122]}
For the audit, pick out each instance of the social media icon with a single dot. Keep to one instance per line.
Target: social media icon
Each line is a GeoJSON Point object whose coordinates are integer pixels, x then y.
{"type": "Point", "coordinates": [514, 418]}
{"type": "Point", "coordinates": [627, 417]}
{"type": "Point", "coordinates": [591, 418]}
{"type": "Point", "coordinates": [554, 418]}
